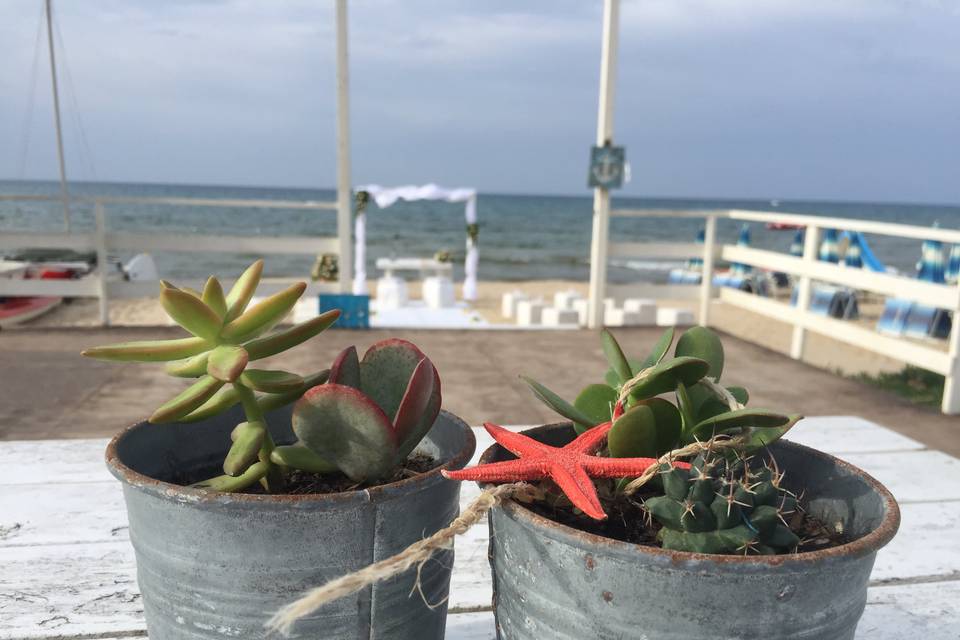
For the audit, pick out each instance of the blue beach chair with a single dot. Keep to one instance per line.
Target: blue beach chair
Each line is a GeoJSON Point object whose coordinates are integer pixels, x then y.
{"type": "Point", "coordinates": [905, 318]}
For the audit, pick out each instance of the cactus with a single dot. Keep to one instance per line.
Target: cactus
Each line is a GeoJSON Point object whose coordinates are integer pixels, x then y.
{"type": "Point", "coordinates": [645, 424]}
{"type": "Point", "coordinates": [724, 506]}
{"type": "Point", "coordinates": [372, 412]}
{"type": "Point", "coordinates": [227, 335]}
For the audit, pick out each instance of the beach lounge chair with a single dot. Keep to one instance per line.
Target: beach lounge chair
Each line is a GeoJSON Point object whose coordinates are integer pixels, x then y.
{"type": "Point", "coordinates": [828, 300]}
{"type": "Point", "coordinates": [902, 317]}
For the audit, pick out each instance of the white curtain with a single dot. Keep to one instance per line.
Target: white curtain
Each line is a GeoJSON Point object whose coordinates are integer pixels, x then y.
{"type": "Point", "coordinates": [386, 196]}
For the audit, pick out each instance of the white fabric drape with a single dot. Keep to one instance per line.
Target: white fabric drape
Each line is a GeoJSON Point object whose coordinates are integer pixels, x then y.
{"type": "Point", "coordinates": [386, 196]}
{"type": "Point", "coordinates": [360, 255]}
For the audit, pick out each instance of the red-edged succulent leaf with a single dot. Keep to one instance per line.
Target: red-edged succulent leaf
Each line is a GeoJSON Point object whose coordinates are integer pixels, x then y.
{"type": "Point", "coordinates": [419, 407]}
{"type": "Point", "coordinates": [288, 339]}
{"type": "Point", "coordinates": [227, 362]}
{"type": "Point", "coordinates": [191, 398]}
{"type": "Point", "coordinates": [191, 313]}
{"type": "Point", "coordinates": [345, 369]}
{"type": "Point", "coordinates": [385, 372]}
{"type": "Point", "coordinates": [271, 381]}
{"type": "Point", "coordinates": [343, 426]}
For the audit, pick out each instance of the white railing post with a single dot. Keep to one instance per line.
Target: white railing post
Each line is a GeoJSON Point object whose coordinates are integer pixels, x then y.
{"type": "Point", "coordinates": [951, 388]}
{"type": "Point", "coordinates": [101, 239]}
{"type": "Point", "coordinates": [811, 244]}
{"type": "Point", "coordinates": [706, 277]}
{"type": "Point", "coordinates": [344, 191]}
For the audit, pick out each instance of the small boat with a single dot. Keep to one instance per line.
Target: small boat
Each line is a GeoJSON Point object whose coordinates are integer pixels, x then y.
{"type": "Point", "coordinates": [16, 310]}
{"type": "Point", "coordinates": [783, 226]}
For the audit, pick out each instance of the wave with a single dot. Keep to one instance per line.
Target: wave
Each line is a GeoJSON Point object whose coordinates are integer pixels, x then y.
{"type": "Point", "coordinates": [648, 265]}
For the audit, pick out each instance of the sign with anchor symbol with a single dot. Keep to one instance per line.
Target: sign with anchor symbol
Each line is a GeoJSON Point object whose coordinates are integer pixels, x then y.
{"type": "Point", "coordinates": [606, 167]}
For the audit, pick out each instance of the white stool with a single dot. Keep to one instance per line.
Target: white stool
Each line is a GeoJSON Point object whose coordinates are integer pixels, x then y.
{"type": "Point", "coordinates": [644, 308]}
{"type": "Point", "coordinates": [508, 303]}
{"type": "Point", "coordinates": [565, 299]}
{"type": "Point", "coordinates": [581, 305]}
{"type": "Point", "coordinates": [553, 317]}
{"type": "Point", "coordinates": [674, 317]}
{"type": "Point", "coordinates": [529, 312]}
{"type": "Point", "coordinates": [438, 292]}
{"type": "Point", "coordinates": [621, 318]}
{"type": "Point", "coordinates": [391, 292]}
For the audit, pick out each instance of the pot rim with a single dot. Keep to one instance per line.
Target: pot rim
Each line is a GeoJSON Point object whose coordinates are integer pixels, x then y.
{"type": "Point", "coordinates": [145, 483]}
{"type": "Point", "coordinates": [862, 546]}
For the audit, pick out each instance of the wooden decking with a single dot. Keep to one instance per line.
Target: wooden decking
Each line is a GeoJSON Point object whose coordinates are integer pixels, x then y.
{"type": "Point", "coordinates": [68, 570]}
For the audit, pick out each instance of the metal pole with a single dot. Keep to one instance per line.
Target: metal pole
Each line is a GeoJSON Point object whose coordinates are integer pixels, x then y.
{"type": "Point", "coordinates": [344, 203]}
{"type": "Point", "coordinates": [64, 195]}
{"type": "Point", "coordinates": [601, 197]}
{"type": "Point", "coordinates": [706, 272]}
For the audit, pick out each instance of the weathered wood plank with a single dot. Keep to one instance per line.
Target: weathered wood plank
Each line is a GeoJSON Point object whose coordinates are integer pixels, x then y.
{"type": "Point", "coordinates": [54, 461]}
{"type": "Point", "coordinates": [913, 476]}
{"type": "Point", "coordinates": [471, 626]}
{"type": "Point", "coordinates": [41, 514]}
{"type": "Point", "coordinates": [838, 435]}
{"type": "Point", "coordinates": [930, 611]}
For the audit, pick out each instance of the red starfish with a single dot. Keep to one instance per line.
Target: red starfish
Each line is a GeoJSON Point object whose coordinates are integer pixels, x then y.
{"type": "Point", "coordinates": [571, 467]}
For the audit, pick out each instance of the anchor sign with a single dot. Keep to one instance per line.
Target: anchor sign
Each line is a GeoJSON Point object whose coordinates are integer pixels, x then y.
{"type": "Point", "coordinates": [606, 167]}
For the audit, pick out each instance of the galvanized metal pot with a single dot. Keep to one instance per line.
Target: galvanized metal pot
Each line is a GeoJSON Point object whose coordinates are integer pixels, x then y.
{"type": "Point", "coordinates": [553, 581]}
{"type": "Point", "coordinates": [217, 565]}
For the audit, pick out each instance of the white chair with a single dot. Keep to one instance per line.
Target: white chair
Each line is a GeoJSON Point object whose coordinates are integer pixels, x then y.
{"type": "Point", "coordinates": [554, 317]}
{"type": "Point", "coordinates": [529, 313]}
{"type": "Point", "coordinates": [565, 299]}
{"type": "Point", "coordinates": [438, 292]}
{"type": "Point", "coordinates": [508, 303]}
{"type": "Point", "coordinates": [674, 317]}
{"type": "Point", "coordinates": [391, 293]}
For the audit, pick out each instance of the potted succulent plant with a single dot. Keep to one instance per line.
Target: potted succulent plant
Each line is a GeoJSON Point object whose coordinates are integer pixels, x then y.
{"type": "Point", "coordinates": [685, 519]}
{"type": "Point", "coordinates": [266, 482]}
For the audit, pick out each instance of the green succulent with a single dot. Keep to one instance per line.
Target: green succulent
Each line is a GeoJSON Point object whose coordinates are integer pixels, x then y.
{"type": "Point", "coordinates": [227, 335]}
{"type": "Point", "coordinates": [723, 506]}
{"type": "Point", "coordinates": [652, 425]}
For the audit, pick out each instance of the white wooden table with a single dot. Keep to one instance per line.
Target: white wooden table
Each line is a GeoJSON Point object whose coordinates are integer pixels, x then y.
{"type": "Point", "coordinates": [421, 265]}
{"type": "Point", "coordinates": [67, 568]}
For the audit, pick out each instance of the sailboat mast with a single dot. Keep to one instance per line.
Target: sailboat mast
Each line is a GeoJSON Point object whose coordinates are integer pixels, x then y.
{"type": "Point", "coordinates": [64, 195]}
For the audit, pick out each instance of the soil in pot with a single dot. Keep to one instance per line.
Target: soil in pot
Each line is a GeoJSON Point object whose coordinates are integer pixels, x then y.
{"type": "Point", "coordinates": [627, 520]}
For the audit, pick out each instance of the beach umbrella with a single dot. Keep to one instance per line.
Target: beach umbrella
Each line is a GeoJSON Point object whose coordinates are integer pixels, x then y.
{"type": "Point", "coordinates": [743, 240]}
{"type": "Point", "coordinates": [931, 267]}
{"type": "Point", "coordinates": [830, 247]}
{"type": "Point", "coordinates": [697, 263]}
{"type": "Point", "coordinates": [853, 256]}
{"type": "Point", "coordinates": [953, 264]}
{"type": "Point", "coordinates": [796, 247]}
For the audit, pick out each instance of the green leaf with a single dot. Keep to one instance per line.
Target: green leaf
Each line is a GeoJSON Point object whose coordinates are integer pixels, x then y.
{"type": "Point", "coordinates": [231, 484]}
{"type": "Point", "coordinates": [741, 394]}
{"type": "Point", "coordinates": [243, 290]}
{"type": "Point", "coordinates": [614, 355]}
{"type": "Point", "coordinates": [212, 296]}
{"type": "Point", "coordinates": [191, 313]}
{"type": "Point", "coordinates": [247, 438]}
{"type": "Point", "coordinates": [149, 350]}
{"type": "Point", "coordinates": [275, 401]}
{"type": "Point", "coordinates": [191, 398]}
{"type": "Point", "coordinates": [418, 409]}
{"type": "Point", "coordinates": [289, 338]}
{"type": "Point", "coordinates": [756, 438]}
{"type": "Point", "coordinates": [557, 403]}
{"type": "Point", "coordinates": [189, 367]}
{"type": "Point", "coordinates": [686, 410]}
{"type": "Point", "coordinates": [659, 349]}
{"type": "Point", "coordinates": [263, 315]}
{"type": "Point", "coordinates": [271, 381]}
{"type": "Point", "coordinates": [595, 401]}
{"type": "Point", "coordinates": [297, 456]}
{"type": "Point", "coordinates": [634, 434]}
{"type": "Point", "coordinates": [227, 397]}
{"type": "Point", "coordinates": [665, 376]}
{"type": "Point", "coordinates": [384, 372]}
{"type": "Point", "coordinates": [227, 362]}
{"type": "Point", "coordinates": [702, 343]}
{"type": "Point", "coordinates": [345, 369]}
{"type": "Point", "coordinates": [668, 421]}
{"type": "Point", "coordinates": [741, 418]}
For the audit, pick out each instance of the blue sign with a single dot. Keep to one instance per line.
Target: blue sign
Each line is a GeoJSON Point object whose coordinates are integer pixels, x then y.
{"type": "Point", "coordinates": [606, 167]}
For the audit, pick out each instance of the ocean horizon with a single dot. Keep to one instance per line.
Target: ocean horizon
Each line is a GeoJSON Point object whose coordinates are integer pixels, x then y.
{"type": "Point", "coordinates": [522, 236]}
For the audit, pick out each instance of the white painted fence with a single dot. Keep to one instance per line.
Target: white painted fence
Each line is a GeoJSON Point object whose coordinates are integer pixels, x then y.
{"type": "Point", "coordinates": [809, 269]}
{"type": "Point", "coordinates": [103, 242]}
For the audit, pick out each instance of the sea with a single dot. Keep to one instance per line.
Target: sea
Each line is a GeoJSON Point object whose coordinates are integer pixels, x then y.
{"type": "Point", "coordinates": [522, 237]}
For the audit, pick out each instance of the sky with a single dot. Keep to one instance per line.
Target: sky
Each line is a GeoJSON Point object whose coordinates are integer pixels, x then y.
{"type": "Point", "coordinates": [790, 99]}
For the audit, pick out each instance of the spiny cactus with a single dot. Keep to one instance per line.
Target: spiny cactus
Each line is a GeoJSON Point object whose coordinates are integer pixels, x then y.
{"type": "Point", "coordinates": [227, 335]}
{"type": "Point", "coordinates": [646, 425]}
{"type": "Point", "coordinates": [371, 413]}
{"type": "Point", "coordinates": [724, 506]}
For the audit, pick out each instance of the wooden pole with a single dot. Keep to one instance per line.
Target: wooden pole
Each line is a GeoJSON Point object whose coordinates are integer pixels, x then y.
{"type": "Point", "coordinates": [344, 192]}
{"type": "Point", "coordinates": [64, 195]}
{"type": "Point", "coordinates": [601, 197]}
{"type": "Point", "coordinates": [810, 245]}
{"type": "Point", "coordinates": [706, 269]}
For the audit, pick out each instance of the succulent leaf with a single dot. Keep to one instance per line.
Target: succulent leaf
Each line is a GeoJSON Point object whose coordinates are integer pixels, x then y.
{"type": "Point", "coordinates": [345, 369]}
{"type": "Point", "coordinates": [277, 400]}
{"type": "Point", "coordinates": [741, 418]}
{"type": "Point", "coordinates": [669, 424]}
{"type": "Point", "coordinates": [557, 403]}
{"type": "Point", "coordinates": [297, 456]}
{"type": "Point", "coordinates": [191, 398]}
{"type": "Point", "coordinates": [702, 343]}
{"type": "Point", "coordinates": [227, 362]}
{"type": "Point", "coordinates": [192, 367]}
{"type": "Point", "coordinates": [660, 349]}
{"type": "Point", "coordinates": [242, 291]}
{"type": "Point", "coordinates": [247, 439]}
{"type": "Point", "coordinates": [271, 381]}
{"type": "Point", "coordinates": [219, 402]}
{"type": "Point", "coordinates": [262, 316]}
{"type": "Point", "coordinates": [665, 376]}
{"type": "Point", "coordinates": [342, 425]}
{"type": "Point", "coordinates": [231, 484]}
{"type": "Point", "coordinates": [614, 354]}
{"type": "Point", "coordinates": [419, 407]}
{"type": "Point", "coordinates": [149, 350]}
{"type": "Point", "coordinates": [191, 313]}
{"type": "Point", "coordinates": [385, 372]}
{"type": "Point", "coordinates": [213, 297]}
{"type": "Point", "coordinates": [289, 338]}
{"type": "Point", "coordinates": [686, 408]}
{"type": "Point", "coordinates": [757, 437]}
{"type": "Point", "coordinates": [634, 434]}
{"type": "Point", "coordinates": [595, 401]}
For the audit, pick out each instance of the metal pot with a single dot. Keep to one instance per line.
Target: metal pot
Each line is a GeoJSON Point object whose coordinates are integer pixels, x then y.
{"type": "Point", "coordinates": [554, 581]}
{"type": "Point", "coordinates": [215, 565]}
